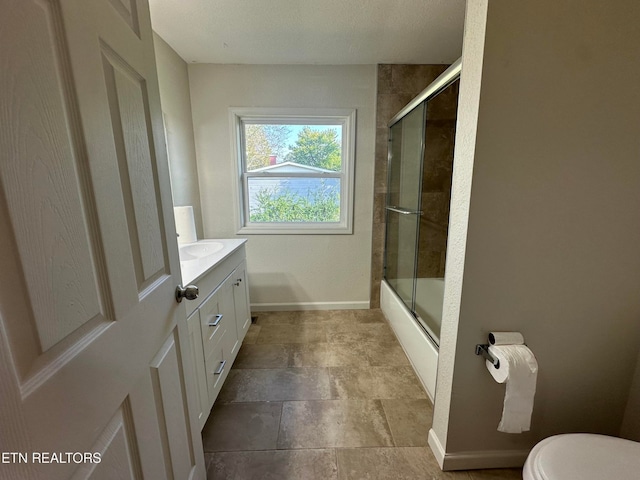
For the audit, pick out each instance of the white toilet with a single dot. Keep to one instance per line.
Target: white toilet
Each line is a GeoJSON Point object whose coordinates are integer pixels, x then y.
{"type": "Point", "coordinates": [583, 456]}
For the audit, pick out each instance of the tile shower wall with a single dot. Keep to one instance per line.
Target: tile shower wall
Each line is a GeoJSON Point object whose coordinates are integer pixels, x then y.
{"type": "Point", "coordinates": [397, 85]}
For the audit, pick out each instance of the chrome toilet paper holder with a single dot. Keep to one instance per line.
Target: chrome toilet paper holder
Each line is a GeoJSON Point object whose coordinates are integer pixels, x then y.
{"type": "Point", "coordinates": [483, 349]}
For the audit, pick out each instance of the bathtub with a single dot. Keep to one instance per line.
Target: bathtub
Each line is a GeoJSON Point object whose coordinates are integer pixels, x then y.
{"type": "Point", "coordinates": [416, 342]}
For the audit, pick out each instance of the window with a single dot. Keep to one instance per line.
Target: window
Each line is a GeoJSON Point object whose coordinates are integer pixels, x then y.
{"type": "Point", "coordinates": [295, 170]}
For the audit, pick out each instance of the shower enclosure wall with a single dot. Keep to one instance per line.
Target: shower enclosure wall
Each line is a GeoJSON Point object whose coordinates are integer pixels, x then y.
{"type": "Point", "coordinates": [421, 141]}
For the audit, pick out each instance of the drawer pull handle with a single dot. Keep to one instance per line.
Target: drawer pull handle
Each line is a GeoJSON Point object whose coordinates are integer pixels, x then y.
{"type": "Point", "coordinates": [220, 368]}
{"type": "Point", "coordinates": [216, 321]}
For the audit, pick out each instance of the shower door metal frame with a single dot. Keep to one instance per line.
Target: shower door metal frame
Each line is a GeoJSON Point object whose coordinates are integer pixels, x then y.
{"type": "Point", "coordinates": [446, 78]}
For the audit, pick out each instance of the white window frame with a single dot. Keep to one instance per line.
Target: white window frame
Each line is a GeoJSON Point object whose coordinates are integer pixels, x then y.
{"type": "Point", "coordinates": [298, 116]}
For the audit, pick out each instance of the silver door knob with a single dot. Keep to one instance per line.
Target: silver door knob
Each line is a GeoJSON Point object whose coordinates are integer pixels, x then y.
{"type": "Point", "coordinates": [190, 292]}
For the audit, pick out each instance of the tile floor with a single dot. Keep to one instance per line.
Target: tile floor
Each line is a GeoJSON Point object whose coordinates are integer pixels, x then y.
{"type": "Point", "coordinates": [326, 395]}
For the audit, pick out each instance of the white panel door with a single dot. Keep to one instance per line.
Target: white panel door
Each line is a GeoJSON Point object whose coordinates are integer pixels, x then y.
{"type": "Point", "coordinates": [94, 360]}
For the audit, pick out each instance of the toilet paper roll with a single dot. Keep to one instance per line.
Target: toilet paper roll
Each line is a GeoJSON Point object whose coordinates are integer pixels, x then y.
{"type": "Point", "coordinates": [185, 224]}
{"type": "Point", "coordinates": [519, 370]}
{"type": "Point", "coordinates": [506, 338]}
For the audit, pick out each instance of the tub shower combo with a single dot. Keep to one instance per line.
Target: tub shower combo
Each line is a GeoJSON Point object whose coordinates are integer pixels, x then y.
{"type": "Point", "coordinates": [421, 143]}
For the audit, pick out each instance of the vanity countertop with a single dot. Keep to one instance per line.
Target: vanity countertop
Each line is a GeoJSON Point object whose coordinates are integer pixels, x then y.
{"type": "Point", "coordinates": [197, 258]}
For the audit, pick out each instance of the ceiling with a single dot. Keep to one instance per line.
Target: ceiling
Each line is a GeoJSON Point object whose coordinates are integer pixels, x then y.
{"type": "Point", "coordinates": [329, 32]}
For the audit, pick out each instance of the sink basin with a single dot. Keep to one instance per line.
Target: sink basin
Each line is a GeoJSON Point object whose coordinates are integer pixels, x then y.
{"type": "Point", "coordinates": [198, 250]}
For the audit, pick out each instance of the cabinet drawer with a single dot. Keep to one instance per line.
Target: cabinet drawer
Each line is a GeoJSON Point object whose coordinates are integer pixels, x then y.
{"type": "Point", "coordinates": [217, 366]}
{"type": "Point", "coordinates": [212, 322]}
{"type": "Point", "coordinates": [213, 326]}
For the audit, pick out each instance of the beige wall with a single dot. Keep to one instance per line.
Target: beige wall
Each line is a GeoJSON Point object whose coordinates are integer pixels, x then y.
{"type": "Point", "coordinates": [287, 270]}
{"type": "Point", "coordinates": [631, 423]}
{"type": "Point", "coordinates": [176, 108]}
{"type": "Point", "coordinates": [549, 137]}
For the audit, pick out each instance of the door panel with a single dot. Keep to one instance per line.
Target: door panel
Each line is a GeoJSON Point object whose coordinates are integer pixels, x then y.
{"type": "Point", "coordinates": [128, 10]}
{"type": "Point", "coordinates": [51, 218]}
{"type": "Point", "coordinates": [170, 399]}
{"type": "Point", "coordinates": [91, 337]}
{"type": "Point", "coordinates": [127, 103]}
{"type": "Point", "coordinates": [119, 457]}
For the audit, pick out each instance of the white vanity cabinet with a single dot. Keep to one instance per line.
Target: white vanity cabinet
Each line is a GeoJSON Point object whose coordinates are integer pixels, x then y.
{"type": "Point", "coordinates": [217, 322]}
{"type": "Point", "coordinates": [241, 300]}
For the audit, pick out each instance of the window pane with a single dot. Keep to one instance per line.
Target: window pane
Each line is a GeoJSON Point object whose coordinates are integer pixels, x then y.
{"type": "Point", "coordinates": [294, 199]}
{"type": "Point", "coordinates": [268, 146]}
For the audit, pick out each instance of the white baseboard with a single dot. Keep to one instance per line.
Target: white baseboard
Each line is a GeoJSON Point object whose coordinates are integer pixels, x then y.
{"type": "Point", "coordinates": [475, 460]}
{"type": "Point", "coordinates": [436, 447]}
{"type": "Point", "coordinates": [278, 307]}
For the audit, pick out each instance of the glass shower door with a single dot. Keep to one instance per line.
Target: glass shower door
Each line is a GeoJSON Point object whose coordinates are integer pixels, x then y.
{"type": "Point", "coordinates": [437, 171]}
{"type": "Point", "coordinates": [421, 152]}
{"type": "Point", "coordinates": [403, 201]}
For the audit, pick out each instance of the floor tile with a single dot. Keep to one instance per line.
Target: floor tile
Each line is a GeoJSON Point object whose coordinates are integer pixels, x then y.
{"type": "Point", "coordinates": [373, 329]}
{"type": "Point", "coordinates": [208, 457]}
{"type": "Point", "coordinates": [409, 421]}
{"type": "Point", "coordinates": [375, 383]}
{"type": "Point", "coordinates": [320, 317]}
{"type": "Point", "coordinates": [333, 423]}
{"type": "Point", "coordinates": [273, 465]}
{"type": "Point", "coordinates": [242, 426]}
{"type": "Point", "coordinates": [252, 334]}
{"type": "Point", "coordinates": [348, 354]}
{"type": "Point", "coordinates": [277, 318]}
{"type": "Point", "coordinates": [302, 317]}
{"type": "Point", "coordinates": [262, 356]}
{"type": "Point", "coordinates": [292, 334]}
{"type": "Point", "coordinates": [308, 354]}
{"type": "Point", "coordinates": [400, 463]}
{"type": "Point", "coordinates": [352, 382]}
{"type": "Point", "coordinates": [385, 354]}
{"type": "Point", "coordinates": [368, 316]}
{"type": "Point", "coordinates": [361, 333]}
{"type": "Point", "coordinates": [264, 385]}
{"type": "Point", "coordinates": [326, 316]}
{"type": "Point", "coordinates": [397, 382]}
{"type": "Point", "coordinates": [497, 474]}
{"type": "Point", "coordinates": [324, 395]}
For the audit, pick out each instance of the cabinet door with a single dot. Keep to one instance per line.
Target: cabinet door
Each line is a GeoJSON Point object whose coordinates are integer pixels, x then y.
{"type": "Point", "coordinates": [241, 300]}
{"type": "Point", "coordinates": [197, 355]}
{"type": "Point", "coordinates": [231, 343]}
